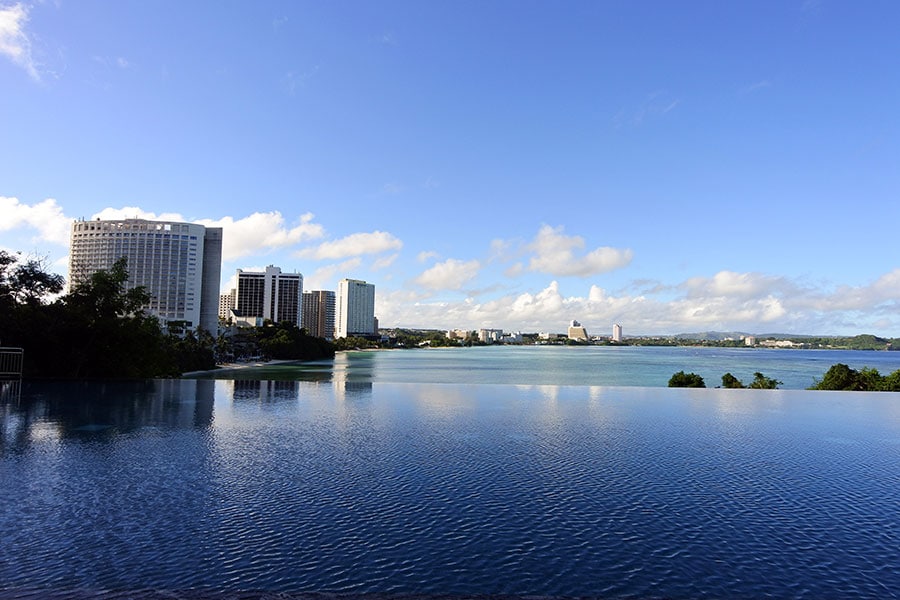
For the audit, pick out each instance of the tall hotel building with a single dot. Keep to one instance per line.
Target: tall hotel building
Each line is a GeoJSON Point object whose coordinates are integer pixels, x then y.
{"type": "Point", "coordinates": [270, 295]}
{"type": "Point", "coordinates": [318, 313]}
{"type": "Point", "coordinates": [355, 310]}
{"type": "Point", "coordinates": [179, 264]}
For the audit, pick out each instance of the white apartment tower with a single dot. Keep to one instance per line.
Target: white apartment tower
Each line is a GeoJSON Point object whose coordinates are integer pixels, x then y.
{"type": "Point", "coordinates": [318, 313]}
{"type": "Point", "coordinates": [617, 333]}
{"type": "Point", "coordinates": [355, 309]}
{"type": "Point", "coordinates": [270, 295]}
{"type": "Point", "coordinates": [179, 264]}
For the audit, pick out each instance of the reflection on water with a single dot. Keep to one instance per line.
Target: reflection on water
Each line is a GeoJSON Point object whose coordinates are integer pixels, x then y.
{"type": "Point", "coordinates": [85, 410]}
{"type": "Point", "coordinates": [353, 486]}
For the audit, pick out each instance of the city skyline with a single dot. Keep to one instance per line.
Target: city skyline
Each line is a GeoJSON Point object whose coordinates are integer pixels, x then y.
{"type": "Point", "coordinates": [501, 165]}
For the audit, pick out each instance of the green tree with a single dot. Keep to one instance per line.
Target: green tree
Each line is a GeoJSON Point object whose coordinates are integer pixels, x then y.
{"type": "Point", "coordinates": [111, 335]}
{"type": "Point", "coordinates": [838, 377]}
{"type": "Point", "coordinates": [730, 381]}
{"type": "Point", "coordinates": [891, 383]}
{"type": "Point", "coordinates": [682, 379]}
{"type": "Point", "coordinates": [761, 382]}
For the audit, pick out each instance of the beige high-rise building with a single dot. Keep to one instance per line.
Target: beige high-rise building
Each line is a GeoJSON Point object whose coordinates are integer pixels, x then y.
{"type": "Point", "coordinates": [179, 264]}
{"type": "Point", "coordinates": [577, 332]}
{"type": "Point", "coordinates": [318, 313]}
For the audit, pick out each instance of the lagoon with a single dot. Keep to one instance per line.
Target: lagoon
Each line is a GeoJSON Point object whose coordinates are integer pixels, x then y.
{"type": "Point", "coordinates": [575, 365]}
{"type": "Point", "coordinates": [360, 486]}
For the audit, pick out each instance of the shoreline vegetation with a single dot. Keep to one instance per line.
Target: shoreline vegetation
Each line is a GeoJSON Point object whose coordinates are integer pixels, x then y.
{"type": "Point", "coordinates": [101, 330]}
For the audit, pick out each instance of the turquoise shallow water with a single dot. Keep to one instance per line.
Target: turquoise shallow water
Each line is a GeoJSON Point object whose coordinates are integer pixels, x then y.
{"type": "Point", "coordinates": [200, 488]}
{"type": "Point", "coordinates": [591, 365]}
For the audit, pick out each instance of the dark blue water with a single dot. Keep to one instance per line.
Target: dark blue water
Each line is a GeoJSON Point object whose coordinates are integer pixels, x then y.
{"type": "Point", "coordinates": [359, 487]}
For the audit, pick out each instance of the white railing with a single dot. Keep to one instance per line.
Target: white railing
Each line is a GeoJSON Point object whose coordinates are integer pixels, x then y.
{"type": "Point", "coordinates": [11, 360]}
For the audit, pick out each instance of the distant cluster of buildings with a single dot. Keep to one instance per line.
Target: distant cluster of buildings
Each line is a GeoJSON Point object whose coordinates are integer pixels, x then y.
{"type": "Point", "coordinates": [576, 331]}
{"type": "Point", "coordinates": [180, 266]}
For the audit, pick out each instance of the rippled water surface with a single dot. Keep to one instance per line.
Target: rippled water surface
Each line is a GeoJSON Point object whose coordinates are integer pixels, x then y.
{"type": "Point", "coordinates": [372, 488]}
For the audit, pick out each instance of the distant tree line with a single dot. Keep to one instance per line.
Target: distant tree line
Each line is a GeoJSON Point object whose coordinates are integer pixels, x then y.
{"type": "Point", "coordinates": [100, 330]}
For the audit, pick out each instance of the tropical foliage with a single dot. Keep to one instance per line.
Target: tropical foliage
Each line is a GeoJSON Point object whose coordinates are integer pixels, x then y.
{"type": "Point", "coordinates": [101, 330]}
{"type": "Point", "coordinates": [690, 380]}
{"type": "Point", "coordinates": [842, 377]}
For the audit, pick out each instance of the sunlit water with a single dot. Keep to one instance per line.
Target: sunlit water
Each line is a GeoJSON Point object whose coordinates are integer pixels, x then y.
{"type": "Point", "coordinates": [366, 487]}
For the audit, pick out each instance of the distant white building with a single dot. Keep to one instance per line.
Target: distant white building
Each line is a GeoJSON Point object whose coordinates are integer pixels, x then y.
{"type": "Point", "coordinates": [512, 338]}
{"type": "Point", "coordinates": [490, 336]}
{"type": "Point", "coordinates": [355, 309]}
{"type": "Point", "coordinates": [226, 304]}
{"type": "Point", "coordinates": [617, 333]}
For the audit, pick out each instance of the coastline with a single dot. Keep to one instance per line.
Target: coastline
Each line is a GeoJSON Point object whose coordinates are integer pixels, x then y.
{"type": "Point", "coordinates": [226, 367]}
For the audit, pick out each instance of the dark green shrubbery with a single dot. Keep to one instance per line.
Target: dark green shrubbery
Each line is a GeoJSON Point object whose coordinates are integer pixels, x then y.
{"type": "Point", "coordinates": [842, 377]}
{"type": "Point", "coordinates": [689, 380]}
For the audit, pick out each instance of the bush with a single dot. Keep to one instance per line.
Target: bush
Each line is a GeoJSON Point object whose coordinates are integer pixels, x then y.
{"type": "Point", "coordinates": [761, 382]}
{"type": "Point", "coordinates": [690, 380]}
{"type": "Point", "coordinates": [731, 382]}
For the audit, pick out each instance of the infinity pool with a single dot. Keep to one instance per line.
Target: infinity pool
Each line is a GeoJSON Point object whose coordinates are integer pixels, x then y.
{"type": "Point", "coordinates": [218, 487]}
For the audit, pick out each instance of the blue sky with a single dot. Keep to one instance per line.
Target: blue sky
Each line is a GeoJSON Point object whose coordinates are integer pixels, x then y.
{"type": "Point", "coordinates": [668, 166]}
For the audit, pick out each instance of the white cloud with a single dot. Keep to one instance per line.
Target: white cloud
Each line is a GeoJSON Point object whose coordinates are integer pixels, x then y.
{"type": "Point", "coordinates": [45, 217]}
{"type": "Point", "coordinates": [262, 232]}
{"type": "Point", "coordinates": [255, 233]}
{"type": "Point", "coordinates": [15, 42]}
{"type": "Point", "coordinates": [425, 255]}
{"type": "Point", "coordinates": [356, 244]}
{"type": "Point", "coordinates": [554, 255]}
{"type": "Point", "coordinates": [514, 270]}
{"type": "Point", "coordinates": [726, 301]}
{"type": "Point", "coordinates": [384, 262]}
{"type": "Point", "coordinates": [324, 277]}
{"type": "Point", "coordinates": [729, 283]}
{"type": "Point", "coordinates": [451, 274]}
{"type": "Point", "coordinates": [134, 212]}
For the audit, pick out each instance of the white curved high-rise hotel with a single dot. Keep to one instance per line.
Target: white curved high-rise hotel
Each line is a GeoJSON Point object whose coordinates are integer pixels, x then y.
{"type": "Point", "coordinates": [179, 264]}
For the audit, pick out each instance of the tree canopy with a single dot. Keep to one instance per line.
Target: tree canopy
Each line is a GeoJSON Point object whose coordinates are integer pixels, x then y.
{"type": "Point", "coordinates": [842, 377]}
{"type": "Point", "coordinates": [690, 380]}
